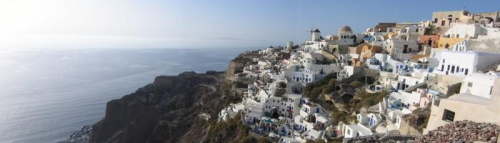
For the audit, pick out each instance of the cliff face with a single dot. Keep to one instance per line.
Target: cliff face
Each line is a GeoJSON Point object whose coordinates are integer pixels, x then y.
{"type": "Point", "coordinates": [181, 108]}
{"type": "Point", "coordinates": [236, 65]}
{"type": "Point", "coordinates": [172, 109]}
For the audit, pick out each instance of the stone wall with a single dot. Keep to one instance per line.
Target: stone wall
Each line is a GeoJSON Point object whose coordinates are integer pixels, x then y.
{"type": "Point", "coordinates": [406, 129]}
{"type": "Point", "coordinates": [381, 138]}
{"type": "Point", "coordinates": [442, 83]}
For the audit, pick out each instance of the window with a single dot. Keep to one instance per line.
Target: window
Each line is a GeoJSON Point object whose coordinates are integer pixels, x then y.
{"type": "Point", "coordinates": [469, 84]}
{"type": "Point", "coordinates": [348, 131]}
{"type": "Point", "coordinates": [448, 115]}
{"type": "Point", "coordinates": [491, 90]}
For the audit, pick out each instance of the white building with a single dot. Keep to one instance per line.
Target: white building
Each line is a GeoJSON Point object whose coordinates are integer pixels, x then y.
{"type": "Point", "coordinates": [289, 45]}
{"type": "Point", "coordinates": [253, 111]}
{"type": "Point", "coordinates": [311, 120]}
{"type": "Point", "coordinates": [479, 84]}
{"type": "Point", "coordinates": [410, 33]}
{"type": "Point", "coordinates": [356, 130]}
{"type": "Point", "coordinates": [230, 111]}
{"type": "Point", "coordinates": [304, 75]}
{"type": "Point", "coordinates": [402, 50]}
{"type": "Point", "coordinates": [348, 71]}
{"type": "Point", "coordinates": [462, 62]}
{"type": "Point", "coordinates": [286, 106]}
{"type": "Point", "coordinates": [376, 40]}
{"type": "Point", "coordinates": [467, 31]}
{"type": "Point", "coordinates": [370, 120]}
{"type": "Point", "coordinates": [403, 99]}
{"type": "Point", "coordinates": [315, 35]}
{"type": "Point", "coordinates": [403, 82]}
{"type": "Point", "coordinates": [346, 36]}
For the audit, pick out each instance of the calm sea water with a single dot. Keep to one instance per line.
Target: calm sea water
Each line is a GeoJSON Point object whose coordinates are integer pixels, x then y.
{"type": "Point", "coordinates": [45, 95]}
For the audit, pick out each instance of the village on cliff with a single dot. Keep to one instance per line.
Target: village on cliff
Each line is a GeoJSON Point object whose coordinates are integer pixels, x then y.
{"type": "Point", "coordinates": [395, 79]}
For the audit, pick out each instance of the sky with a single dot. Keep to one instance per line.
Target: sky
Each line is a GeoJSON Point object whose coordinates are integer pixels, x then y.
{"type": "Point", "coordinates": [200, 23]}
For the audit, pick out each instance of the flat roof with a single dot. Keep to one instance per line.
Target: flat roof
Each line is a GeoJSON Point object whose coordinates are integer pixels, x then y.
{"type": "Point", "coordinates": [469, 98]}
{"type": "Point", "coordinates": [255, 108]}
{"type": "Point", "coordinates": [360, 128]}
{"type": "Point", "coordinates": [293, 96]}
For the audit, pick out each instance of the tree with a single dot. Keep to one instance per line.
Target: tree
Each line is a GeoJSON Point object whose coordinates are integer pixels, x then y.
{"type": "Point", "coordinates": [432, 30]}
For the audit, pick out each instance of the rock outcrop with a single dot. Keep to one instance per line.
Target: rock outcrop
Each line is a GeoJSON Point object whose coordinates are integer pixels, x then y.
{"type": "Point", "coordinates": [463, 131]}
{"type": "Point", "coordinates": [167, 110]}
{"type": "Point", "coordinates": [179, 108]}
{"type": "Point", "coordinates": [237, 64]}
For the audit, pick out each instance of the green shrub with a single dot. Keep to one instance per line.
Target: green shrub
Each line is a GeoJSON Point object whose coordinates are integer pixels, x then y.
{"type": "Point", "coordinates": [356, 84]}
{"type": "Point", "coordinates": [338, 116]}
{"type": "Point", "coordinates": [263, 140]}
{"type": "Point", "coordinates": [248, 139]}
{"type": "Point", "coordinates": [282, 85]}
{"type": "Point", "coordinates": [381, 96]}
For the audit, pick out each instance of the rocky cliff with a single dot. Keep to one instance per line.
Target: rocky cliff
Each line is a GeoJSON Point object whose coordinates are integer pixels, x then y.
{"type": "Point", "coordinates": [181, 108]}
{"type": "Point", "coordinates": [172, 109]}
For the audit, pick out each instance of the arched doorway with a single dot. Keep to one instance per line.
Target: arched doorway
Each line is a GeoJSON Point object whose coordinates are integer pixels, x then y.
{"type": "Point", "coordinates": [275, 113]}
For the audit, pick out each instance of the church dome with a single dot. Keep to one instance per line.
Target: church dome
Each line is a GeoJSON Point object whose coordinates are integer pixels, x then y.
{"type": "Point", "coordinates": [345, 30]}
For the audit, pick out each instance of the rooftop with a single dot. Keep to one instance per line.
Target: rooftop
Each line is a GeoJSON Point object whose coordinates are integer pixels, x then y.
{"type": "Point", "coordinates": [469, 98]}
{"type": "Point", "coordinates": [360, 128]}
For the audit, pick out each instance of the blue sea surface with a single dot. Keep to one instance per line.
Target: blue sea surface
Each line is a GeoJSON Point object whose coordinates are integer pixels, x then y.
{"type": "Point", "coordinates": [47, 94]}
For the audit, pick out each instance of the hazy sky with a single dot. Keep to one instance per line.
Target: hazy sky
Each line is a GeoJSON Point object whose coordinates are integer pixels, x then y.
{"type": "Point", "coordinates": [199, 23]}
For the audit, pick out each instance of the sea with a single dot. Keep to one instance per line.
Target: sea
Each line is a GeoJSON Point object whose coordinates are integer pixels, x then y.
{"type": "Point", "coordinates": [47, 94]}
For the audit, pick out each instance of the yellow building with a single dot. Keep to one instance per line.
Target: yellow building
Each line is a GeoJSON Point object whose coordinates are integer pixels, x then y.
{"type": "Point", "coordinates": [485, 18]}
{"type": "Point", "coordinates": [448, 42]}
{"type": "Point", "coordinates": [368, 51]}
{"type": "Point", "coordinates": [445, 18]}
